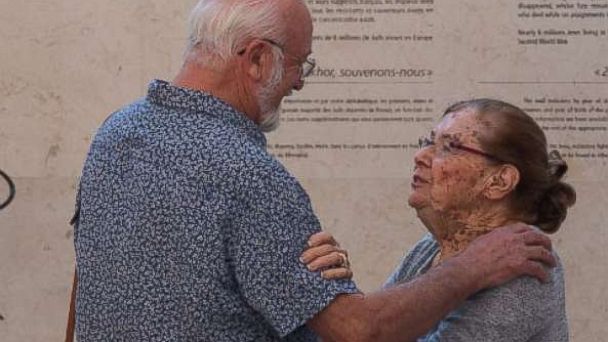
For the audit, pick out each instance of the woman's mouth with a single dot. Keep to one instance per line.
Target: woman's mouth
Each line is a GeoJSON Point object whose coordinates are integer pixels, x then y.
{"type": "Point", "coordinates": [417, 181]}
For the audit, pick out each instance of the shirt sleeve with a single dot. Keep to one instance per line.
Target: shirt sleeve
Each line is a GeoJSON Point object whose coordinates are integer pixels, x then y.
{"type": "Point", "coordinates": [271, 231]}
{"type": "Point", "coordinates": [415, 262]}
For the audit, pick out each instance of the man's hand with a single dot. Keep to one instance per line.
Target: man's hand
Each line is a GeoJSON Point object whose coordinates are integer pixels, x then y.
{"type": "Point", "coordinates": [507, 253]}
{"type": "Point", "coordinates": [324, 253]}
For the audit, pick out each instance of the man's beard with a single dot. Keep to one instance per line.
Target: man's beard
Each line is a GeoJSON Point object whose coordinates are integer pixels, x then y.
{"type": "Point", "coordinates": [271, 114]}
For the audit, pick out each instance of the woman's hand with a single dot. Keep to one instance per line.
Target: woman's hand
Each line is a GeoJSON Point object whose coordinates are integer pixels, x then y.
{"type": "Point", "coordinates": [324, 253]}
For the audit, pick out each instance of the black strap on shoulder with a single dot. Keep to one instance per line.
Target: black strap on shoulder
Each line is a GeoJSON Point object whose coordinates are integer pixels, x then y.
{"type": "Point", "coordinates": [71, 323]}
{"type": "Point", "coordinates": [74, 220]}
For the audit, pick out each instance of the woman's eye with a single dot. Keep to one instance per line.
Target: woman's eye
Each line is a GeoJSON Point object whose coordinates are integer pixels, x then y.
{"type": "Point", "coordinates": [425, 142]}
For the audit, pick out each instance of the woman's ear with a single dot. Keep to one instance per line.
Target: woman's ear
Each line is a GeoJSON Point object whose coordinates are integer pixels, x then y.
{"type": "Point", "coordinates": [502, 182]}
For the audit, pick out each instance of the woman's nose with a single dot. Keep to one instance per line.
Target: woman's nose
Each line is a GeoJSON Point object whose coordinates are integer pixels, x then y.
{"type": "Point", "coordinates": [423, 157]}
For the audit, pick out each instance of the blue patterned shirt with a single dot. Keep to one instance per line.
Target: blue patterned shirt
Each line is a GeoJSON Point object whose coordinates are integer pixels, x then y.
{"type": "Point", "coordinates": [189, 230]}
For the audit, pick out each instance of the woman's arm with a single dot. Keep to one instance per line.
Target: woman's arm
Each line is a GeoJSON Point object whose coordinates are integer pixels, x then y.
{"type": "Point", "coordinates": [411, 309]}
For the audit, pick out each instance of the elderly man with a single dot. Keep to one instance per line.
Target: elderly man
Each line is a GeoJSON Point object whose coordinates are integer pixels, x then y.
{"type": "Point", "coordinates": [188, 230]}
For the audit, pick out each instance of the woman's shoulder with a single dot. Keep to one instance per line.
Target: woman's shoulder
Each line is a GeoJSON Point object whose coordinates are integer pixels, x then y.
{"type": "Point", "coordinates": [524, 309]}
{"type": "Point", "coordinates": [528, 288]}
{"type": "Point", "coordinates": [523, 299]}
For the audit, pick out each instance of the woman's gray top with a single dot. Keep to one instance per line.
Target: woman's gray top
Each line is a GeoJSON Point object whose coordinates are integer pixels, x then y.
{"type": "Point", "coordinates": [522, 310]}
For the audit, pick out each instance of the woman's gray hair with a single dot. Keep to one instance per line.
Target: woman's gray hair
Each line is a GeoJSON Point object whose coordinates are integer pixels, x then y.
{"type": "Point", "coordinates": [515, 138]}
{"type": "Point", "coordinates": [219, 29]}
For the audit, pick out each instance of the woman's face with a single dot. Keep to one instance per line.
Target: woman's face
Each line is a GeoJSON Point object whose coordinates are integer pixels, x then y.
{"type": "Point", "coordinates": [448, 177]}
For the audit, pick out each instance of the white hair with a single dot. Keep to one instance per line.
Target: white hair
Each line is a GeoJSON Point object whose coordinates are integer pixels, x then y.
{"type": "Point", "coordinates": [271, 113]}
{"type": "Point", "coordinates": [221, 28]}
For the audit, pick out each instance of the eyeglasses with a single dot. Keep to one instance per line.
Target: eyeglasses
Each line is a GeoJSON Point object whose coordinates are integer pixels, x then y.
{"type": "Point", "coordinates": [306, 67]}
{"type": "Point", "coordinates": [449, 145]}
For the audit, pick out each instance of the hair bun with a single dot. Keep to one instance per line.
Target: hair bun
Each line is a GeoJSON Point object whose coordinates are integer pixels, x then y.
{"type": "Point", "coordinates": [557, 166]}
{"type": "Point", "coordinates": [554, 206]}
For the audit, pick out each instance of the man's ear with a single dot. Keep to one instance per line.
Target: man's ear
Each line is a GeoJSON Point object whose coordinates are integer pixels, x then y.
{"type": "Point", "coordinates": [502, 182]}
{"type": "Point", "coordinates": [257, 60]}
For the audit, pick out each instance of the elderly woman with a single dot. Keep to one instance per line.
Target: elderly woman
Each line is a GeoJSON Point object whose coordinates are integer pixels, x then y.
{"type": "Point", "coordinates": [483, 166]}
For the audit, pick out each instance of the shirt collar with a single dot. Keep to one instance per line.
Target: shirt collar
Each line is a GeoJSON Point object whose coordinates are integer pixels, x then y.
{"type": "Point", "coordinates": [165, 94]}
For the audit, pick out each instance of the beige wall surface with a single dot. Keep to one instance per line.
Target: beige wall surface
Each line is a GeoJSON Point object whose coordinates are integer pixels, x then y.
{"type": "Point", "coordinates": [386, 70]}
